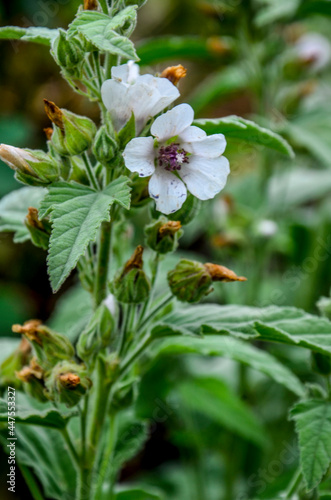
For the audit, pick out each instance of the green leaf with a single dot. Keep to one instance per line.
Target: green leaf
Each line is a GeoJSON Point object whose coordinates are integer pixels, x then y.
{"type": "Point", "coordinates": [40, 35]}
{"type": "Point", "coordinates": [7, 347]}
{"type": "Point", "coordinates": [99, 29]}
{"type": "Point", "coordinates": [213, 398]}
{"type": "Point", "coordinates": [14, 208]}
{"type": "Point", "coordinates": [286, 325]}
{"type": "Point", "coordinates": [77, 212]}
{"type": "Point", "coordinates": [132, 437]}
{"type": "Point", "coordinates": [245, 130]}
{"type": "Point", "coordinates": [138, 493]}
{"type": "Point", "coordinates": [153, 50]}
{"type": "Point", "coordinates": [313, 425]}
{"type": "Point", "coordinates": [232, 348]}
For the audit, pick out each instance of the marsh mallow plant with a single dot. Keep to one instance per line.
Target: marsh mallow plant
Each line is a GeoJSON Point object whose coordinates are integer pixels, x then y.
{"type": "Point", "coordinates": [77, 422]}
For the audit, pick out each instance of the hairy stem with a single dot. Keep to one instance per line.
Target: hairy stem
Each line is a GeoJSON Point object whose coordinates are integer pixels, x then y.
{"type": "Point", "coordinates": [90, 171]}
{"type": "Point", "coordinates": [101, 277]}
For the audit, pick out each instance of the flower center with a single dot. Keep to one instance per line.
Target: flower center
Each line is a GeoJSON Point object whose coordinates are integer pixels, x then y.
{"type": "Point", "coordinates": [171, 157]}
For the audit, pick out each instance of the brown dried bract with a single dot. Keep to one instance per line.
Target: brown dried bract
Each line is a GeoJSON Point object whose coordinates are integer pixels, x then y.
{"type": "Point", "coordinates": [69, 380]}
{"type": "Point", "coordinates": [54, 113]}
{"type": "Point", "coordinates": [135, 262]}
{"type": "Point", "coordinates": [222, 273]}
{"type": "Point", "coordinates": [31, 329]}
{"type": "Point", "coordinates": [169, 228]}
{"type": "Point", "coordinates": [48, 132]}
{"type": "Point", "coordinates": [174, 73]}
{"type": "Point", "coordinates": [32, 218]}
{"type": "Point", "coordinates": [90, 4]}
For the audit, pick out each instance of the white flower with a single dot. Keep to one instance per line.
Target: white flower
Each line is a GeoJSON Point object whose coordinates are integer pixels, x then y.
{"type": "Point", "coordinates": [181, 148]}
{"type": "Point", "coordinates": [315, 49]}
{"type": "Point", "coordinates": [267, 228]}
{"type": "Point", "coordinates": [110, 303]}
{"type": "Point", "coordinates": [128, 92]}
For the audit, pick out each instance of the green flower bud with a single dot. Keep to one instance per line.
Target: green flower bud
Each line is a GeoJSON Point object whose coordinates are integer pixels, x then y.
{"type": "Point", "coordinates": [104, 146]}
{"type": "Point", "coordinates": [321, 363]}
{"type": "Point", "coordinates": [189, 281]}
{"type": "Point", "coordinates": [50, 347]}
{"type": "Point", "coordinates": [73, 134]}
{"type": "Point", "coordinates": [162, 235]}
{"type": "Point", "coordinates": [131, 285]}
{"type": "Point", "coordinates": [97, 334]}
{"type": "Point", "coordinates": [67, 383]}
{"type": "Point", "coordinates": [39, 230]}
{"type": "Point", "coordinates": [35, 168]}
{"type": "Point", "coordinates": [14, 363]}
{"type": "Point", "coordinates": [68, 53]}
{"type": "Point", "coordinates": [32, 377]}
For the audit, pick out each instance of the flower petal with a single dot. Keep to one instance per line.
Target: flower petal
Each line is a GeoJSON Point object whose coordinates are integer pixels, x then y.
{"type": "Point", "coordinates": [209, 147]}
{"type": "Point", "coordinates": [205, 177]}
{"type": "Point", "coordinates": [167, 190]}
{"type": "Point", "coordinates": [139, 156]}
{"type": "Point", "coordinates": [173, 122]}
{"type": "Point", "coordinates": [191, 134]}
{"type": "Point", "coordinates": [116, 99]}
{"type": "Point", "coordinates": [167, 92]}
{"type": "Point", "coordinates": [126, 73]}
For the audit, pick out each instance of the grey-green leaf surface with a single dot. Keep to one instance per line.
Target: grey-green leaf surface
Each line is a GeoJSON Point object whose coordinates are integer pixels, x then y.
{"type": "Point", "coordinates": [245, 130]}
{"type": "Point", "coordinates": [313, 425]}
{"type": "Point", "coordinates": [286, 325]}
{"type": "Point", "coordinates": [232, 348]}
{"type": "Point", "coordinates": [40, 35]}
{"type": "Point", "coordinates": [77, 212]}
{"type": "Point", "coordinates": [14, 208]}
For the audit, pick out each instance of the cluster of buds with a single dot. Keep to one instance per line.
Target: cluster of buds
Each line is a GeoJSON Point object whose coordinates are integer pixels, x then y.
{"type": "Point", "coordinates": [162, 236]}
{"type": "Point", "coordinates": [190, 281]}
{"type": "Point", "coordinates": [72, 134]}
{"type": "Point", "coordinates": [131, 285]}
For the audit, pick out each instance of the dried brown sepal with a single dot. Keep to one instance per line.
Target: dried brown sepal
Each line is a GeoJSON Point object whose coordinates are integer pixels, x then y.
{"type": "Point", "coordinates": [90, 4]}
{"type": "Point", "coordinates": [54, 113]}
{"type": "Point", "coordinates": [222, 273]}
{"type": "Point", "coordinates": [48, 132]}
{"type": "Point", "coordinates": [69, 380]}
{"type": "Point", "coordinates": [135, 262]}
{"type": "Point", "coordinates": [32, 219]}
{"type": "Point", "coordinates": [36, 369]}
{"type": "Point", "coordinates": [33, 371]}
{"type": "Point", "coordinates": [169, 228]}
{"type": "Point", "coordinates": [174, 73]}
{"type": "Point", "coordinates": [31, 329]}
{"type": "Point", "coordinates": [25, 347]}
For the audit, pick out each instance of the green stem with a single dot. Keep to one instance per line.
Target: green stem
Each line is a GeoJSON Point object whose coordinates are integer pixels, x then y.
{"type": "Point", "coordinates": [101, 278]}
{"type": "Point", "coordinates": [140, 348]}
{"type": "Point", "coordinates": [150, 298]}
{"type": "Point", "coordinates": [73, 452]}
{"type": "Point", "coordinates": [97, 67]}
{"type": "Point", "coordinates": [31, 483]}
{"type": "Point", "coordinates": [155, 311]}
{"type": "Point", "coordinates": [107, 457]}
{"type": "Point", "coordinates": [104, 6]}
{"type": "Point", "coordinates": [90, 171]}
{"type": "Point", "coordinates": [294, 484]}
{"type": "Point", "coordinates": [100, 407]}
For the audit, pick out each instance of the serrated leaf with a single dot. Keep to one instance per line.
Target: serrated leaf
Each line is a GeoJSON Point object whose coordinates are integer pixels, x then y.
{"type": "Point", "coordinates": [286, 325]}
{"type": "Point", "coordinates": [232, 348]}
{"type": "Point", "coordinates": [40, 35]}
{"type": "Point", "coordinates": [245, 130]}
{"type": "Point", "coordinates": [14, 208]}
{"type": "Point", "coordinates": [77, 212]}
{"type": "Point", "coordinates": [214, 399]}
{"type": "Point", "coordinates": [99, 29]}
{"type": "Point", "coordinates": [49, 417]}
{"type": "Point", "coordinates": [313, 425]}
{"type": "Point", "coordinates": [138, 493]}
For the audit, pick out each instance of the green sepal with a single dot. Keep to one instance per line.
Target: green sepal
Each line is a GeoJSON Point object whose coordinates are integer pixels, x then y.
{"type": "Point", "coordinates": [189, 281]}
{"type": "Point", "coordinates": [127, 133]}
{"type": "Point", "coordinates": [97, 334]}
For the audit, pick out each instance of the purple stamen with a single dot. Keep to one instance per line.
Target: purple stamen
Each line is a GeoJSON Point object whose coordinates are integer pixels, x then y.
{"type": "Point", "coordinates": [172, 158]}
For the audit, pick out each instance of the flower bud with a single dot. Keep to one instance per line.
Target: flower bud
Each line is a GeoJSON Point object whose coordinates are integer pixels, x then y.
{"type": "Point", "coordinates": [32, 378]}
{"type": "Point", "coordinates": [35, 168]}
{"type": "Point", "coordinates": [321, 363]}
{"type": "Point", "coordinates": [73, 134]}
{"type": "Point", "coordinates": [97, 334]}
{"type": "Point", "coordinates": [39, 230]}
{"type": "Point", "coordinates": [67, 383]}
{"type": "Point", "coordinates": [14, 363]}
{"type": "Point", "coordinates": [104, 146]}
{"type": "Point", "coordinates": [174, 73]}
{"type": "Point", "coordinates": [131, 285]}
{"type": "Point", "coordinates": [49, 346]}
{"type": "Point", "coordinates": [189, 281]}
{"type": "Point", "coordinates": [162, 235]}
{"type": "Point", "coordinates": [68, 53]}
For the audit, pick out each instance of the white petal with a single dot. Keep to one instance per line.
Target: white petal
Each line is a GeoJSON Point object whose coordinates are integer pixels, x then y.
{"type": "Point", "coordinates": [205, 177]}
{"type": "Point", "coordinates": [173, 122]}
{"type": "Point", "coordinates": [167, 190]}
{"type": "Point", "coordinates": [115, 96]}
{"type": "Point", "coordinates": [167, 92]}
{"type": "Point", "coordinates": [110, 303]}
{"type": "Point", "coordinates": [126, 73]}
{"type": "Point", "coordinates": [192, 134]}
{"type": "Point", "coordinates": [139, 156]}
{"type": "Point", "coordinates": [209, 147]}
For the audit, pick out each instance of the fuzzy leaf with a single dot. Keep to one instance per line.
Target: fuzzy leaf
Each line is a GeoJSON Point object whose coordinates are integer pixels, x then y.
{"type": "Point", "coordinates": [14, 207]}
{"type": "Point", "coordinates": [313, 425]}
{"type": "Point", "coordinates": [77, 212]}
{"type": "Point", "coordinates": [99, 29]}
{"type": "Point", "coordinates": [40, 35]}
{"type": "Point", "coordinates": [45, 418]}
{"type": "Point", "coordinates": [232, 348]}
{"type": "Point", "coordinates": [245, 130]}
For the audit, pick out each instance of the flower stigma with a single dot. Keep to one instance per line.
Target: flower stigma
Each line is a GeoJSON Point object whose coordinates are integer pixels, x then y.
{"type": "Point", "coordinates": [171, 157]}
